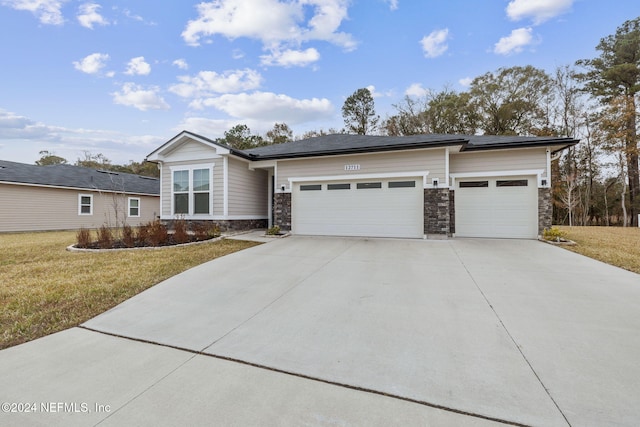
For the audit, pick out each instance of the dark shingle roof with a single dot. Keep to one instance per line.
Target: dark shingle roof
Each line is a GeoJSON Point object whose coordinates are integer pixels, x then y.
{"type": "Point", "coordinates": [348, 143]}
{"type": "Point", "coordinates": [77, 177]}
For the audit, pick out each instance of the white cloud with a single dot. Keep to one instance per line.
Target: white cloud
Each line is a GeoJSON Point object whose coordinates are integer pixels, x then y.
{"type": "Point", "coordinates": [291, 58]}
{"type": "Point", "coordinates": [138, 66]}
{"type": "Point", "coordinates": [27, 137]}
{"type": "Point", "coordinates": [88, 15]}
{"type": "Point", "coordinates": [208, 83]}
{"type": "Point", "coordinates": [538, 10]}
{"type": "Point", "coordinates": [181, 63]}
{"type": "Point", "coordinates": [270, 107]}
{"type": "Point", "coordinates": [393, 4]}
{"type": "Point", "coordinates": [466, 81]}
{"type": "Point", "coordinates": [435, 44]}
{"type": "Point", "coordinates": [515, 42]}
{"type": "Point", "coordinates": [47, 11]}
{"type": "Point", "coordinates": [237, 54]}
{"type": "Point", "coordinates": [279, 25]}
{"type": "Point", "coordinates": [416, 89]}
{"type": "Point", "coordinates": [92, 64]}
{"type": "Point", "coordinates": [136, 96]}
{"type": "Point", "coordinates": [376, 94]}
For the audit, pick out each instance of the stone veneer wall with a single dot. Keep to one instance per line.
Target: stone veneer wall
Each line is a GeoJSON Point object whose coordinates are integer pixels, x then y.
{"type": "Point", "coordinates": [282, 210]}
{"type": "Point", "coordinates": [437, 211]}
{"type": "Point", "coordinates": [452, 212]}
{"type": "Point", "coordinates": [545, 209]}
{"type": "Point", "coordinates": [226, 225]}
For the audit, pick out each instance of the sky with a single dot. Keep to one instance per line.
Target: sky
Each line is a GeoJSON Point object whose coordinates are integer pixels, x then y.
{"type": "Point", "coordinates": [121, 78]}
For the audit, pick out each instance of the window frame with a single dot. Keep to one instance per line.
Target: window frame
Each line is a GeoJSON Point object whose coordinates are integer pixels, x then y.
{"type": "Point", "coordinates": [474, 184]}
{"type": "Point", "coordinates": [81, 205]}
{"type": "Point", "coordinates": [129, 207]}
{"type": "Point", "coordinates": [191, 192]}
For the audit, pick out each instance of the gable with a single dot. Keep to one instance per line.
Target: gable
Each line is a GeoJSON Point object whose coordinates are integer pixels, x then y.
{"type": "Point", "coordinates": [187, 147]}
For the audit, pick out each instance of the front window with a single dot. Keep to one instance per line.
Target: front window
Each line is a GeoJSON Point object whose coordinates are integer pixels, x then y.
{"type": "Point", "coordinates": [192, 192]}
{"type": "Point", "coordinates": [134, 207]}
{"type": "Point", "coordinates": [85, 204]}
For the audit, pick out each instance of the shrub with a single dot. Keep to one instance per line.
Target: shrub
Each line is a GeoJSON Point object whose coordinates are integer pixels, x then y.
{"type": "Point", "coordinates": [105, 237]}
{"type": "Point", "coordinates": [157, 233]}
{"type": "Point", "coordinates": [142, 235]}
{"type": "Point", "coordinates": [204, 231]}
{"type": "Point", "coordinates": [128, 236]}
{"type": "Point", "coordinates": [180, 234]}
{"type": "Point", "coordinates": [83, 238]}
{"type": "Point", "coordinates": [553, 234]}
{"type": "Point", "coordinates": [273, 231]}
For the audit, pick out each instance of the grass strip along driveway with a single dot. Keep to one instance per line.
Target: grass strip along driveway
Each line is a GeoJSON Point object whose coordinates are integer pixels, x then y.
{"type": "Point", "coordinates": [619, 246]}
{"type": "Point", "coordinates": [45, 289]}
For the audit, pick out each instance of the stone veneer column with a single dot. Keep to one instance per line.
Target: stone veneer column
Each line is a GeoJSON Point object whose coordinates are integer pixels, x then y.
{"type": "Point", "coordinates": [437, 211]}
{"type": "Point", "coordinates": [282, 210]}
{"type": "Point", "coordinates": [545, 209]}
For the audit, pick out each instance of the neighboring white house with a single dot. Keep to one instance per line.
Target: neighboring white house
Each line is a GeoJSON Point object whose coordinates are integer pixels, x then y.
{"type": "Point", "coordinates": [63, 197]}
{"type": "Point", "coordinates": [360, 185]}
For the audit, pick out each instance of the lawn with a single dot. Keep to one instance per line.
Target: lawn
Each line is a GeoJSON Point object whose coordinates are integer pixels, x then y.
{"type": "Point", "coordinates": [614, 245]}
{"type": "Point", "coordinates": [45, 289]}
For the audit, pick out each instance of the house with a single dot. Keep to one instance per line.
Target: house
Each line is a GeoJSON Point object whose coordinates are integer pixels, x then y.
{"type": "Point", "coordinates": [360, 185]}
{"type": "Point", "coordinates": [62, 197]}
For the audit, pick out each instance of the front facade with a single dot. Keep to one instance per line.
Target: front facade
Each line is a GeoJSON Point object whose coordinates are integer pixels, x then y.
{"type": "Point", "coordinates": [63, 197]}
{"type": "Point", "coordinates": [372, 186]}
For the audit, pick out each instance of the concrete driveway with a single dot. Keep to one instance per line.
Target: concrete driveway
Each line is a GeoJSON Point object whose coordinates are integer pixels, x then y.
{"type": "Point", "coordinates": [326, 331]}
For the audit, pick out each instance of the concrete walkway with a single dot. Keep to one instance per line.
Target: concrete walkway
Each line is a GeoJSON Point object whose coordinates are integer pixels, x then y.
{"type": "Point", "coordinates": [353, 332]}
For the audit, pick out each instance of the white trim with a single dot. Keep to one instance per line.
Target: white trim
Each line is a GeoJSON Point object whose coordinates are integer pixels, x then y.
{"type": "Point", "coordinates": [161, 196]}
{"type": "Point", "coordinates": [190, 168]}
{"type": "Point", "coordinates": [225, 186]}
{"type": "Point", "coordinates": [447, 179]}
{"type": "Point", "coordinates": [216, 217]}
{"type": "Point", "coordinates": [80, 196]}
{"type": "Point", "coordinates": [261, 164]}
{"type": "Point", "coordinates": [354, 177]}
{"type": "Point", "coordinates": [129, 199]}
{"type": "Point", "coordinates": [537, 172]}
{"type": "Point", "coordinates": [548, 174]}
{"type": "Point", "coordinates": [270, 184]}
{"type": "Point", "coordinates": [59, 187]}
{"type": "Point", "coordinates": [159, 153]}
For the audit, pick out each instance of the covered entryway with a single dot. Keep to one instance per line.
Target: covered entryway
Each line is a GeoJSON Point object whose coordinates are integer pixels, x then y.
{"type": "Point", "coordinates": [371, 208]}
{"type": "Point", "coordinates": [499, 207]}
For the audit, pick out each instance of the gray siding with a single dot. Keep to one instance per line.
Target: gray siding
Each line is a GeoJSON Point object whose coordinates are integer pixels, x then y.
{"type": "Point", "coordinates": [432, 161]}
{"type": "Point", "coordinates": [504, 160]}
{"type": "Point", "coordinates": [30, 208]}
{"type": "Point", "coordinates": [218, 185]}
{"type": "Point", "coordinates": [248, 190]}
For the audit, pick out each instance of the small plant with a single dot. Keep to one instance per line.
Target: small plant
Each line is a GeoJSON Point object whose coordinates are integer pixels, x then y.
{"type": "Point", "coordinates": [273, 231]}
{"type": "Point", "coordinates": [553, 234]}
{"type": "Point", "coordinates": [180, 234]}
{"type": "Point", "coordinates": [205, 231]}
{"type": "Point", "coordinates": [142, 235]}
{"type": "Point", "coordinates": [158, 233]}
{"type": "Point", "coordinates": [83, 238]}
{"type": "Point", "coordinates": [128, 236]}
{"type": "Point", "coordinates": [105, 237]}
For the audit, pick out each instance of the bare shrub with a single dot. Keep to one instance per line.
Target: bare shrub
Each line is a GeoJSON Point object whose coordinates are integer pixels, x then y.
{"type": "Point", "coordinates": [204, 231]}
{"type": "Point", "coordinates": [105, 237]}
{"type": "Point", "coordinates": [128, 236]}
{"type": "Point", "coordinates": [158, 233]}
{"type": "Point", "coordinates": [142, 235]}
{"type": "Point", "coordinates": [83, 238]}
{"type": "Point", "coordinates": [180, 234]}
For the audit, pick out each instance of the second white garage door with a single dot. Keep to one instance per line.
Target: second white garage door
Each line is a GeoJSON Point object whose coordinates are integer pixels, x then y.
{"type": "Point", "coordinates": [373, 208]}
{"type": "Point", "coordinates": [502, 207]}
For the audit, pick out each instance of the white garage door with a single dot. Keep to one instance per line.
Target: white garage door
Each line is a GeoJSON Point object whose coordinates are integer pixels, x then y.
{"type": "Point", "coordinates": [373, 207]}
{"type": "Point", "coordinates": [502, 207]}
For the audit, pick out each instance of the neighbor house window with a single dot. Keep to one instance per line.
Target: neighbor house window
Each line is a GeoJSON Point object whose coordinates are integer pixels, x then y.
{"type": "Point", "coordinates": [134, 207]}
{"type": "Point", "coordinates": [85, 204]}
{"type": "Point", "coordinates": [192, 191]}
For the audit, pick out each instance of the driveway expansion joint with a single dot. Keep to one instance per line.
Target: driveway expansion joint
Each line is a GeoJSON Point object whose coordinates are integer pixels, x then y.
{"type": "Point", "coordinates": [511, 337]}
{"type": "Point", "coordinates": [293, 374]}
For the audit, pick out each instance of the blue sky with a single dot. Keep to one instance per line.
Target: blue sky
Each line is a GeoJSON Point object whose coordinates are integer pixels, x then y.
{"type": "Point", "coordinates": [122, 77]}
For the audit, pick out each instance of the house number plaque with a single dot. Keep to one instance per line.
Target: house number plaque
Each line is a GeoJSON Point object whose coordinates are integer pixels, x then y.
{"type": "Point", "coordinates": [352, 167]}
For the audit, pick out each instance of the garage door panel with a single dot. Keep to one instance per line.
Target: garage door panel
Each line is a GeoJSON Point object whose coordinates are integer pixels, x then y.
{"type": "Point", "coordinates": [375, 212]}
{"type": "Point", "coordinates": [497, 211]}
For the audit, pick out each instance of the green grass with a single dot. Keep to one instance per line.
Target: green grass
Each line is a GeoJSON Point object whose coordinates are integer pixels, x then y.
{"type": "Point", "coordinates": [46, 289]}
{"type": "Point", "coordinates": [614, 245]}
